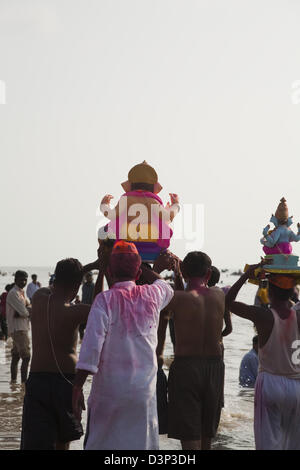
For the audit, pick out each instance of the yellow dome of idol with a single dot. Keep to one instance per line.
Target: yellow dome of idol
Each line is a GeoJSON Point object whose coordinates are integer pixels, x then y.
{"type": "Point", "coordinates": [282, 212]}
{"type": "Point", "coordinates": [142, 173]}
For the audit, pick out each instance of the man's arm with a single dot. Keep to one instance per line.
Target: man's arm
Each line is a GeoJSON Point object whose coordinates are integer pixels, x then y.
{"type": "Point", "coordinates": [77, 395]}
{"type": "Point", "coordinates": [80, 313]}
{"type": "Point", "coordinates": [90, 352]}
{"type": "Point", "coordinates": [161, 334]}
{"type": "Point", "coordinates": [242, 310]}
{"type": "Point", "coordinates": [18, 305]}
{"type": "Point", "coordinates": [90, 267]}
{"type": "Point", "coordinates": [228, 324]}
{"type": "Point", "coordinates": [104, 252]}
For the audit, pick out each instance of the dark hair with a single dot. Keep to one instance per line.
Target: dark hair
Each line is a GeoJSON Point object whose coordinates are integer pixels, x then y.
{"type": "Point", "coordinates": [196, 264]}
{"type": "Point", "coordinates": [8, 287]}
{"type": "Point", "coordinates": [214, 277]}
{"type": "Point", "coordinates": [68, 273]}
{"type": "Point", "coordinates": [19, 274]}
{"type": "Point", "coordinates": [141, 280]}
{"type": "Point", "coordinates": [33, 275]}
{"type": "Point", "coordinates": [255, 340]}
{"type": "Point", "coordinates": [145, 186]}
{"type": "Point", "coordinates": [125, 265]}
{"type": "Point", "coordinates": [280, 294]}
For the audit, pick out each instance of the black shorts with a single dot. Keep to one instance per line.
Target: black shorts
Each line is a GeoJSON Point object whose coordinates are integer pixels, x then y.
{"type": "Point", "coordinates": [47, 412]}
{"type": "Point", "coordinates": [195, 389]}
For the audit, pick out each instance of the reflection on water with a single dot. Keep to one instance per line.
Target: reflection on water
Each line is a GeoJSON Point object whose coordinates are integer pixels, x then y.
{"type": "Point", "coordinates": [236, 426]}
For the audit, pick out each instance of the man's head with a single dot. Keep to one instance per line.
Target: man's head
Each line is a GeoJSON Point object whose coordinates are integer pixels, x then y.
{"type": "Point", "coordinates": [21, 279]}
{"type": "Point", "coordinates": [89, 277]}
{"type": "Point", "coordinates": [196, 264]}
{"type": "Point", "coordinates": [125, 262]}
{"type": "Point", "coordinates": [255, 343]}
{"type": "Point", "coordinates": [68, 277]}
{"type": "Point", "coordinates": [8, 287]}
{"type": "Point", "coordinates": [214, 277]}
{"type": "Point", "coordinates": [34, 278]}
{"type": "Point", "coordinates": [281, 288]}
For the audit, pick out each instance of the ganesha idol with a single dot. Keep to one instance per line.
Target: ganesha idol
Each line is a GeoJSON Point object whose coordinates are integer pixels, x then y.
{"type": "Point", "coordinates": [140, 216]}
{"type": "Point", "coordinates": [277, 242]}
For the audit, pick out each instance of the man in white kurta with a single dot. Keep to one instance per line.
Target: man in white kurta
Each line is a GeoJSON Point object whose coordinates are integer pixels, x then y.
{"type": "Point", "coordinates": [119, 348]}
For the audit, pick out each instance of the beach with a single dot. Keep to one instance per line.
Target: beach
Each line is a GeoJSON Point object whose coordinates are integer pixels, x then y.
{"type": "Point", "coordinates": [236, 426]}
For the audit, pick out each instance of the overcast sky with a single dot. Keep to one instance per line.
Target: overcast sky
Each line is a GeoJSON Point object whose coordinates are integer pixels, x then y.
{"type": "Point", "coordinates": [205, 91]}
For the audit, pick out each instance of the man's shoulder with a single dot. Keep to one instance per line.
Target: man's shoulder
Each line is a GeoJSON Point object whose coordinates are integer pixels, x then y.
{"type": "Point", "coordinates": [158, 283]}
{"type": "Point", "coordinates": [12, 293]}
{"type": "Point", "coordinates": [161, 284]}
{"type": "Point", "coordinates": [42, 292]}
{"type": "Point", "coordinates": [250, 355]}
{"type": "Point", "coordinates": [77, 307]}
{"type": "Point", "coordinates": [217, 291]}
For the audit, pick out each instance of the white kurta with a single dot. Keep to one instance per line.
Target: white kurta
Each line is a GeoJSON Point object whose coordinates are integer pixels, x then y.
{"type": "Point", "coordinates": [119, 347]}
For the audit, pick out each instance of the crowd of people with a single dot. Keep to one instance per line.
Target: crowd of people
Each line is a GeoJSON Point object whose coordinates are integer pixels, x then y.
{"type": "Point", "coordinates": [123, 333]}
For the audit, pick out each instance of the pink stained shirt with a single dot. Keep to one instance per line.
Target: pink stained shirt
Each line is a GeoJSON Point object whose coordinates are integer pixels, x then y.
{"type": "Point", "coordinates": [119, 348]}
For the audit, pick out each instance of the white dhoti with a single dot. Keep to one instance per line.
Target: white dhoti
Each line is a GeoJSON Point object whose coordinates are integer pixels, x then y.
{"type": "Point", "coordinates": [277, 412]}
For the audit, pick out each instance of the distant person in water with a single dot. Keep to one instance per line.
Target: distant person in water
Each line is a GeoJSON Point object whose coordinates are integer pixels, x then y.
{"type": "Point", "coordinates": [249, 366]}
{"type": "Point", "coordinates": [3, 322]}
{"type": "Point", "coordinates": [277, 389]}
{"type": "Point", "coordinates": [48, 422]}
{"type": "Point", "coordinates": [32, 287]}
{"type": "Point", "coordinates": [18, 315]}
{"type": "Point", "coordinates": [196, 375]}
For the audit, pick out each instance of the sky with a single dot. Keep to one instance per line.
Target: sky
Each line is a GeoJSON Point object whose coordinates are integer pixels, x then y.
{"type": "Point", "coordinates": [206, 91]}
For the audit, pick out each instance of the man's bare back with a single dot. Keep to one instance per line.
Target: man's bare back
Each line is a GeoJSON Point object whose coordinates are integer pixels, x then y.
{"type": "Point", "coordinates": [64, 322]}
{"type": "Point", "coordinates": [198, 320]}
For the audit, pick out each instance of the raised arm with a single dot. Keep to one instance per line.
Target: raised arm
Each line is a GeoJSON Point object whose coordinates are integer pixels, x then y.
{"type": "Point", "coordinates": [173, 208]}
{"type": "Point", "coordinates": [104, 252]}
{"type": "Point", "coordinates": [242, 310]}
{"type": "Point", "coordinates": [105, 208]}
{"type": "Point", "coordinates": [228, 324]}
{"type": "Point", "coordinates": [293, 236]}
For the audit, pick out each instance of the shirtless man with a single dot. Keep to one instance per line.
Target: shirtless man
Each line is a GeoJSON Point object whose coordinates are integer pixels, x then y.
{"type": "Point", "coordinates": [197, 374]}
{"type": "Point", "coordinates": [48, 422]}
{"type": "Point", "coordinates": [277, 389]}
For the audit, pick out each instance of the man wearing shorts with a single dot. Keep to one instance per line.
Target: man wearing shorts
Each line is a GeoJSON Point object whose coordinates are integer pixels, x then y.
{"type": "Point", "coordinates": [17, 315]}
{"type": "Point", "coordinates": [197, 374]}
{"type": "Point", "coordinates": [48, 422]}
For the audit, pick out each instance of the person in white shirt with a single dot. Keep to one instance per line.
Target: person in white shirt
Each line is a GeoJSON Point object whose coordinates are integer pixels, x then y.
{"type": "Point", "coordinates": [17, 315]}
{"type": "Point", "coordinates": [32, 287]}
{"type": "Point", "coordinates": [119, 350]}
